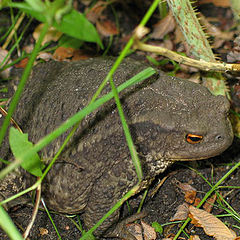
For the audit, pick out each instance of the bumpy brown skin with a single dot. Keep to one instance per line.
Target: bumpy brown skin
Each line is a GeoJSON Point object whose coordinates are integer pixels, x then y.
{"type": "Point", "coordinates": [96, 170]}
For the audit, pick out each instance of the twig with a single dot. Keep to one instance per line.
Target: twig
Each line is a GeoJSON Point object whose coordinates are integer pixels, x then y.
{"type": "Point", "coordinates": [9, 38]}
{"type": "Point", "coordinates": [200, 64]}
{"type": "Point", "coordinates": [34, 214]}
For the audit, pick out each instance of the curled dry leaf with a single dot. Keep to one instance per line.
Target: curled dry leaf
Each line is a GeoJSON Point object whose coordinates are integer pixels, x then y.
{"type": "Point", "coordinates": [149, 232]}
{"type": "Point", "coordinates": [141, 31]}
{"type": "Point", "coordinates": [46, 56]}
{"type": "Point", "coordinates": [209, 203]}
{"type": "Point", "coordinates": [3, 54]}
{"type": "Point", "coordinates": [213, 30]}
{"type": "Point", "coordinates": [43, 231]}
{"type": "Point", "coordinates": [106, 28]}
{"type": "Point", "coordinates": [190, 192]}
{"type": "Point", "coordinates": [182, 212]}
{"type": "Point", "coordinates": [217, 3]}
{"type": "Point", "coordinates": [95, 12]}
{"type": "Point", "coordinates": [194, 237]}
{"type": "Point", "coordinates": [136, 230]}
{"type": "Point", "coordinates": [22, 63]}
{"type": "Point", "coordinates": [210, 224]}
{"type": "Point", "coordinates": [63, 53]}
{"type": "Point", "coordinates": [163, 27]}
{"type": "Point", "coordinates": [52, 34]}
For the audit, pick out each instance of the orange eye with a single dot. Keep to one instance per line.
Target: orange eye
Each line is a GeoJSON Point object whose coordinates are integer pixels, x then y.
{"type": "Point", "coordinates": [193, 138]}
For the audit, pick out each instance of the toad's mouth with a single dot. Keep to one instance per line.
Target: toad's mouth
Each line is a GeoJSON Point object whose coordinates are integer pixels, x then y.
{"type": "Point", "coordinates": [182, 159]}
{"type": "Point", "coordinates": [192, 158]}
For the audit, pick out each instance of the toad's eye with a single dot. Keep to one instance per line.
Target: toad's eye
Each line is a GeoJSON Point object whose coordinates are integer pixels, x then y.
{"type": "Point", "coordinates": [193, 138]}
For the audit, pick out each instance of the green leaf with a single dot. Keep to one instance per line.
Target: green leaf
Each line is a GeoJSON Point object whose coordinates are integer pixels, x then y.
{"type": "Point", "coordinates": [37, 5]}
{"type": "Point", "coordinates": [66, 41]}
{"type": "Point", "coordinates": [158, 228]}
{"type": "Point", "coordinates": [19, 144]}
{"type": "Point", "coordinates": [76, 25]}
{"type": "Point", "coordinates": [73, 23]}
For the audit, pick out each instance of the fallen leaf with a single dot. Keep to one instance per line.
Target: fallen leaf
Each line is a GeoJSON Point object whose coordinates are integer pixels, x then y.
{"type": "Point", "coordinates": [6, 73]}
{"type": "Point", "coordinates": [43, 231]}
{"type": "Point", "coordinates": [163, 27]}
{"type": "Point", "coordinates": [22, 63]}
{"type": "Point", "coordinates": [234, 55]}
{"type": "Point", "coordinates": [217, 3]}
{"type": "Point", "coordinates": [135, 229]}
{"type": "Point", "coordinates": [185, 187]}
{"type": "Point", "coordinates": [63, 53]}
{"type": "Point", "coordinates": [95, 12]}
{"type": "Point", "coordinates": [209, 203]}
{"type": "Point", "coordinates": [28, 48]}
{"type": "Point", "coordinates": [46, 56]}
{"type": "Point", "coordinates": [211, 225]}
{"type": "Point", "coordinates": [213, 30]}
{"type": "Point", "coordinates": [190, 192]}
{"type": "Point", "coordinates": [52, 34]}
{"type": "Point", "coordinates": [106, 28]}
{"type": "Point", "coordinates": [194, 237]}
{"type": "Point", "coordinates": [181, 213]}
{"type": "Point", "coordinates": [197, 201]}
{"type": "Point", "coordinates": [148, 231]}
{"type": "Point", "coordinates": [79, 54]}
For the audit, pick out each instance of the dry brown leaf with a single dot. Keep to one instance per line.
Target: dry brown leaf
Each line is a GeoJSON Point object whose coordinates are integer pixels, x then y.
{"type": "Point", "coordinates": [46, 56]}
{"type": "Point", "coordinates": [106, 28]}
{"type": "Point", "coordinates": [182, 212]}
{"type": "Point", "coordinates": [210, 224]}
{"type": "Point", "coordinates": [185, 187]}
{"type": "Point", "coordinates": [197, 201]}
{"type": "Point", "coordinates": [194, 237]}
{"type": "Point", "coordinates": [22, 63]}
{"type": "Point", "coordinates": [218, 3]}
{"type": "Point", "coordinates": [234, 55]}
{"type": "Point", "coordinates": [213, 30]}
{"type": "Point", "coordinates": [52, 34]}
{"type": "Point", "coordinates": [179, 37]}
{"type": "Point", "coordinates": [208, 205]}
{"type": "Point", "coordinates": [63, 53]}
{"type": "Point", "coordinates": [149, 232]}
{"type": "Point", "coordinates": [95, 12]}
{"type": "Point", "coordinates": [3, 54]}
{"type": "Point", "coordinates": [163, 27]}
{"type": "Point", "coordinates": [81, 55]}
{"type": "Point", "coordinates": [43, 231]}
{"type": "Point", "coordinates": [190, 192]}
{"type": "Point", "coordinates": [190, 196]}
{"type": "Point", "coordinates": [28, 48]}
{"type": "Point", "coordinates": [135, 229]}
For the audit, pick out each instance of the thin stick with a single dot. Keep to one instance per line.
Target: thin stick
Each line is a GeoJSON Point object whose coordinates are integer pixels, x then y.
{"type": "Point", "coordinates": [200, 64]}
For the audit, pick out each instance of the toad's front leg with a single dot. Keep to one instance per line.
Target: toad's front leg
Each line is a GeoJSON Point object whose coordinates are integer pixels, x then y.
{"type": "Point", "coordinates": [107, 190]}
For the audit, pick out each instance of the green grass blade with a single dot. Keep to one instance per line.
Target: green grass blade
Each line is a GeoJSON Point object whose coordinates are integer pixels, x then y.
{"type": "Point", "coordinates": [8, 226]}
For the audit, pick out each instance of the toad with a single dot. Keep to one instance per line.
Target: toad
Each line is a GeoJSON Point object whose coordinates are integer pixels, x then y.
{"type": "Point", "coordinates": [170, 120]}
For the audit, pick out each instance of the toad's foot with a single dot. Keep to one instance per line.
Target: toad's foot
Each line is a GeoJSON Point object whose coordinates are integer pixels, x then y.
{"type": "Point", "coordinates": [121, 231]}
